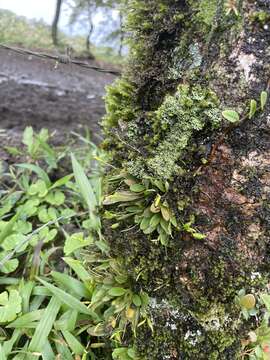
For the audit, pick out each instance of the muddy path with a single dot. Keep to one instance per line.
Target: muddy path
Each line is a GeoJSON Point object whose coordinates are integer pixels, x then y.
{"type": "Point", "coordinates": [35, 92]}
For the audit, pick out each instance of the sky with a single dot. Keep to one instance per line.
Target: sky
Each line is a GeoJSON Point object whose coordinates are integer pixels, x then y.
{"type": "Point", "coordinates": [44, 9]}
{"type": "Point", "coordinates": [38, 9]}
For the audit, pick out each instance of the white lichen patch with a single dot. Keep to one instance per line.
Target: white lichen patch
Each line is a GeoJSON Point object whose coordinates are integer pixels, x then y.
{"type": "Point", "coordinates": [255, 275]}
{"type": "Point", "coordinates": [245, 62]}
{"type": "Point", "coordinates": [254, 231]}
{"type": "Point", "coordinates": [192, 336]}
{"type": "Point", "coordinates": [256, 160]}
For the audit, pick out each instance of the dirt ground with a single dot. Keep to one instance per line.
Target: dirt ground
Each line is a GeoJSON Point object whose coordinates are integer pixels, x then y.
{"type": "Point", "coordinates": [34, 92]}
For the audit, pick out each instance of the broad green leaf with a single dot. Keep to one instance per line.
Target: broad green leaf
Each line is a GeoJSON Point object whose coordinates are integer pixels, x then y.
{"type": "Point", "coordinates": [69, 283]}
{"type": "Point", "coordinates": [10, 202]}
{"type": "Point", "coordinates": [75, 242]}
{"type": "Point", "coordinates": [69, 300]}
{"type": "Point", "coordinates": [2, 353]}
{"type": "Point", "coordinates": [36, 169]}
{"type": "Point", "coordinates": [7, 230]}
{"type": "Point", "coordinates": [47, 352]}
{"type": "Point", "coordinates": [252, 109]}
{"type": "Point", "coordinates": [137, 188]}
{"type": "Point", "coordinates": [47, 235]}
{"type": "Point", "coordinates": [231, 115]}
{"type": "Point", "coordinates": [165, 213]}
{"type": "Point", "coordinates": [28, 138]}
{"type": "Point", "coordinates": [45, 325]}
{"type": "Point", "coordinates": [137, 300]}
{"type": "Point", "coordinates": [73, 343]}
{"type": "Point", "coordinates": [13, 240]}
{"type": "Point", "coordinates": [266, 300]}
{"type": "Point", "coordinates": [145, 223]}
{"type": "Point", "coordinates": [117, 291]}
{"type": "Point", "coordinates": [10, 305]}
{"type": "Point", "coordinates": [24, 320]}
{"type": "Point", "coordinates": [61, 182]}
{"type": "Point", "coordinates": [155, 220]}
{"type": "Point", "coordinates": [9, 266]}
{"type": "Point", "coordinates": [67, 321]}
{"type": "Point", "coordinates": [56, 198]}
{"type": "Point", "coordinates": [38, 188]}
{"type": "Point", "coordinates": [264, 96]}
{"type": "Point", "coordinates": [84, 185]}
{"type": "Point", "coordinates": [131, 353]}
{"type": "Point", "coordinates": [145, 298]}
{"type": "Point", "coordinates": [120, 354]}
{"type": "Point", "coordinates": [29, 208]}
{"type": "Point", "coordinates": [163, 238]}
{"type": "Point", "coordinates": [121, 196]}
{"type": "Point", "coordinates": [41, 291]}
{"type": "Point", "coordinates": [22, 227]}
{"type": "Point", "coordinates": [78, 268]}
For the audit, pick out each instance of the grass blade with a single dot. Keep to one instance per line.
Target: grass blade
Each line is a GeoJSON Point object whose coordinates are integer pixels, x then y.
{"type": "Point", "coordinates": [73, 343]}
{"type": "Point", "coordinates": [78, 268]}
{"type": "Point", "coordinates": [8, 345]}
{"type": "Point", "coordinates": [84, 185]}
{"type": "Point", "coordinates": [25, 292]}
{"type": "Point", "coordinates": [36, 169]}
{"type": "Point", "coordinates": [45, 325]}
{"type": "Point", "coordinates": [24, 320]}
{"type": "Point", "coordinates": [47, 353]}
{"type": "Point", "coordinates": [2, 353]}
{"type": "Point", "coordinates": [69, 300]}
{"type": "Point", "coordinates": [74, 286]}
{"type": "Point", "coordinates": [63, 349]}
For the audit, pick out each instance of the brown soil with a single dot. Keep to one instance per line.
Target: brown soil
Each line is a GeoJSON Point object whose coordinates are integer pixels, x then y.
{"type": "Point", "coordinates": [35, 92]}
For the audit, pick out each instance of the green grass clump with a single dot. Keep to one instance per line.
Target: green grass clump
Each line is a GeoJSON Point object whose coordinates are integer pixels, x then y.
{"type": "Point", "coordinates": [61, 295]}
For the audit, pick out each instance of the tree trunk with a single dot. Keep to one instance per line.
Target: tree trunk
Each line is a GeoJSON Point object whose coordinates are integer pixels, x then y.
{"type": "Point", "coordinates": [90, 32]}
{"type": "Point", "coordinates": [191, 60]}
{"type": "Point", "coordinates": [122, 34]}
{"type": "Point", "coordinates": [56, 21]}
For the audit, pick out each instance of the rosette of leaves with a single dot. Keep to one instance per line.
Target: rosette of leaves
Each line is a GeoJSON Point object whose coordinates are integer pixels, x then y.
{"type": "Point", "coordinates": [256, 346]}
{"type": "Point", "coordinates": [113, 294]}
{"type": "Point", "coordinates": [145, 203]}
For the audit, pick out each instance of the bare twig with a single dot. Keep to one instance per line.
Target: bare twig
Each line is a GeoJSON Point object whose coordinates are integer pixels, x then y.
{"type": "Point", "coordinates": [59, 59]}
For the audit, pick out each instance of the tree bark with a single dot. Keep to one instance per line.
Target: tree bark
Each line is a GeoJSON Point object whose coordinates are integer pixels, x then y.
{"type": "Point", "coordinates": [90, 32]}
{"type": "Point", "coordinates": [190, 61]}
{"type": "Point", "coordinates": [122, 34]}
{"type": "Point", "coordinates": [56, 21]}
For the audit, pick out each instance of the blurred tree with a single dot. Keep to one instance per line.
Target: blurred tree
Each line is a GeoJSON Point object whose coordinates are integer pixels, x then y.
{"type": "Point", "coordinates": [56, 21]}
{"type": "Point", "coordinates": [85, 10]}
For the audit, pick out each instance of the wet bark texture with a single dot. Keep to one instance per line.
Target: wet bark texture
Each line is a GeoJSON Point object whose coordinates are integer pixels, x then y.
{"type": "Point", "coordinates": [189, 61]}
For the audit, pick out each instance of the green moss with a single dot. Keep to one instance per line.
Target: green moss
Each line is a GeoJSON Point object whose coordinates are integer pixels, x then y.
{"type": "Point", "coordinates": [190, 110]}
{"type": "Point", "coordinates": [262, 17]}
{"type": "Point", "coordinates": [206, 11]}
{"type": "Point", "coordinates": [119, 104]}
{"type": "Point", "coordinates": [162, 125]}
{"type": "Point", "coordinates": [179, 334]}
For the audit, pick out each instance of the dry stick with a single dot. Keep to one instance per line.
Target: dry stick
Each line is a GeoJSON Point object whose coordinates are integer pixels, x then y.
{"type": "Point", "coordinates": [59, 59]}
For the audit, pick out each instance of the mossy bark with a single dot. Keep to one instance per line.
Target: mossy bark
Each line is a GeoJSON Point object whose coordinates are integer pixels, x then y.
{"type": "Point", "coordinates": [189, 61]}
